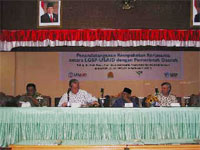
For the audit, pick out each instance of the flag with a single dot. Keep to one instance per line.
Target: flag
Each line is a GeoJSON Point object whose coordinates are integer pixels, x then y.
{"type": "Point", "coordinates": [197, 4]}
{"type": "Point", "coordinates": [42, 7]}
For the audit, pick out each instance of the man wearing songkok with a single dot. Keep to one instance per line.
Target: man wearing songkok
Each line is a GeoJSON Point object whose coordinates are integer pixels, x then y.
{"type": "Point", "coordinates": [50, 16]}
{"type": "Point", "coordinates": [125, 98]}
{"type": "Point", "coordinates": [76, 95]}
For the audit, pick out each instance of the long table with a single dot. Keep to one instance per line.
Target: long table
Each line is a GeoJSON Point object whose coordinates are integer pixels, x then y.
{"type": "Point", "coordinates": [94, 126]}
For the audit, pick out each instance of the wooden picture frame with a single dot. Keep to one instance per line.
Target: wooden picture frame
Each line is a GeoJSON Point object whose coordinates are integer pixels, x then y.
{"type": "Point", "coordinates": [49, 13]}
{"type": "Point", "coordinates": [195, 13]}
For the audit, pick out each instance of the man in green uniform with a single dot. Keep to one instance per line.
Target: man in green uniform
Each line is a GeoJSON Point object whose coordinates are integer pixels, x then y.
{"type": "Point", "coordinates": [33, 97]}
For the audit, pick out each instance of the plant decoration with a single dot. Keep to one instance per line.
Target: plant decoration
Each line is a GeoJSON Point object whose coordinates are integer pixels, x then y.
{"type": "Point", "coordinates": [152, 100]}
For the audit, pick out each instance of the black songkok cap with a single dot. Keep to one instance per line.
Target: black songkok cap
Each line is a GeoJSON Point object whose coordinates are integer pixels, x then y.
{"type": "Point", "coordinates": [127, 90]}
{"type": "Point", "coordinates": [49, 5]}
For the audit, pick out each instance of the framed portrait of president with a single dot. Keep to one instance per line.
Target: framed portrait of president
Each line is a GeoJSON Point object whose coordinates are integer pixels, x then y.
{"type": "Point", "coordinates": [195, 12]}
{"type": "Point", "coordinates": [49, 13]}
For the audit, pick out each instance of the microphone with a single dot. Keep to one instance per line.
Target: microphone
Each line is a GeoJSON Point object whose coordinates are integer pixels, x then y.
{"type": "Point", "coordinates": [69, 89]}
{"type": "Point", "coordinates": [102, 92]}
{"type": "Point", "coordinates": [101, 100]}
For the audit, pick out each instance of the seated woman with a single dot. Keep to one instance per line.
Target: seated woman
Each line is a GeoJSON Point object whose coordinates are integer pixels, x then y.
{"type": "Point", "coordinates": [165, 98]}
{"type": "Point", "coordinates": [32, 98]}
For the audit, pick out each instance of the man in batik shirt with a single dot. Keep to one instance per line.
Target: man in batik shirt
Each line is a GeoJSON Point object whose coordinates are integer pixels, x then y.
{"type": "Point", "coordinates": [76, 95]}
{"type": "Point", "coordinates": [165, 98]}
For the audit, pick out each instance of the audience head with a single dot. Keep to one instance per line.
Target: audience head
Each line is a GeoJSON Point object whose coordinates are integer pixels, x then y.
{"type": "Point", "coordinates": [166, 88]}
{"type": "Point", "coordinates": [30, 89]}
{"type": "Point", "coordinates": [74, 85]}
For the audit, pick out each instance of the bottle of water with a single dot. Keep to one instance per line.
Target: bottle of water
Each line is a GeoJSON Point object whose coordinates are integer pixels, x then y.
{"type": "Point", "coordinates": [102, 98]}
{"type": "Point", "coordinates": [156, 104]}
{"type": "Point", "coordinates": [156, 91]}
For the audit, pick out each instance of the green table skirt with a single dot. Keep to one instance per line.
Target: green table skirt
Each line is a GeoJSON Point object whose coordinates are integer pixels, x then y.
{"type": "Point", "coordinates": [98, 124]}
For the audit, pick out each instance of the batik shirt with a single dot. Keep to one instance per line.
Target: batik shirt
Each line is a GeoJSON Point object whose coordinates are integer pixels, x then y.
{"type": "Point", "coordinates": [82, 97]}
{"type": "Point", "coordinates": [166, 100]}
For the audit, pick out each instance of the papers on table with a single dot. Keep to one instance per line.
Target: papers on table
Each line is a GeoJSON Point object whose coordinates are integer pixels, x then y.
{"type": "Point", "coordinates": [25, 104]}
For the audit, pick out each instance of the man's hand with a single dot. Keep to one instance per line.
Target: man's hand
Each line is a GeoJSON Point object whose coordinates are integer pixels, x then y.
{"type": "Point", "coordinates": [126, 98]}
{"type": "Point", "coordinates": [35, 101]}
{"type": "Point", "coordinates": [64, 104]}
{"type": "Point", "coordinates": [94, 104]}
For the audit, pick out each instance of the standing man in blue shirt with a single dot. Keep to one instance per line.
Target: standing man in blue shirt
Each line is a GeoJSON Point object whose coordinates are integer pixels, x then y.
{"type": "Point", "coordinates": [125, 98]}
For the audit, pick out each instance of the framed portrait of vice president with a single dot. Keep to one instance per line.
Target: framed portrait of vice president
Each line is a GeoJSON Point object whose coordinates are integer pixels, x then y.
{"type": "Point", "coordinates": [195, 13]}
{"type": "Point", "coordinates": [49, 13]}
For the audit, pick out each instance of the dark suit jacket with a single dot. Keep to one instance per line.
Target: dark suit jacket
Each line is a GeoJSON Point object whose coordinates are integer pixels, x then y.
{"type": "Point", "coordinates": [45, 18]}
{"type": "Point", "coordinates": [121, 102]}
{"type": "Point", "coordinates": [197, 18]}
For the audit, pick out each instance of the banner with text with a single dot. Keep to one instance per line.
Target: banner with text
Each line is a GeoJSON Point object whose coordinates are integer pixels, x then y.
{"type": "Point", "coordinates": [120, 65]}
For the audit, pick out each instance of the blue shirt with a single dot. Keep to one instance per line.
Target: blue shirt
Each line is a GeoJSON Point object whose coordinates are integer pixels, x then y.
{"type": "Point", "coordinates": [121, 102]}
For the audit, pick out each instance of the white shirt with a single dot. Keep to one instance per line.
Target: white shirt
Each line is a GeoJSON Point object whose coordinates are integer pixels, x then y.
{"type": "Point", "coordinates": [50, 15]}
{"type": "Point", "coordinates": [82, 97]}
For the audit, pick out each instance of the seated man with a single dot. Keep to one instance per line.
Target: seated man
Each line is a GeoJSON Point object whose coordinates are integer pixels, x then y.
{"type": "Point", "coordinates": [125, 98]}
{"type": "Point", "coordinates": [3, 99]}
{"type": "Point", "coordinates": [8, 100]}
{"type": "Point", "coordinates": [33, 97]}
{"type": "Point", "coordinates": [194, 100]}
{"type": "Point", "coordinates": [76, 95]}
{"type": "Point", "coordinates": [165, 98]}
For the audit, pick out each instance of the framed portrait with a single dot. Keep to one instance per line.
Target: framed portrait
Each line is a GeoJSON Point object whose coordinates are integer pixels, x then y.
{"type": "Point", "coordinates": [195, 12]}
{"type": "Point", "coordinates": [49, 13]}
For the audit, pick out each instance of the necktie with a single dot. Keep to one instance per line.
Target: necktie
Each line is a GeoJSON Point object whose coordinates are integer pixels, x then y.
{"type": "Point", "coordinates": [51, 18]}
